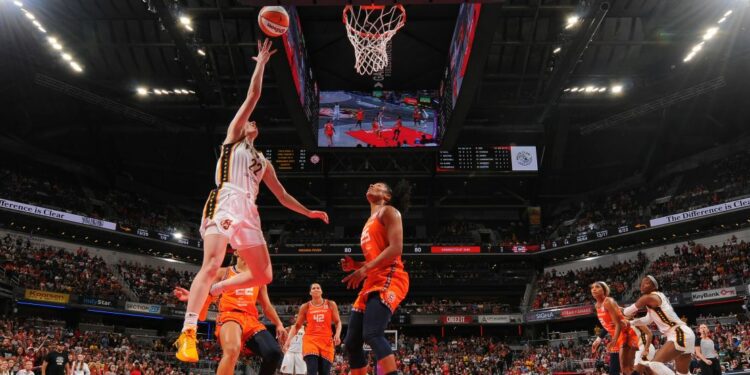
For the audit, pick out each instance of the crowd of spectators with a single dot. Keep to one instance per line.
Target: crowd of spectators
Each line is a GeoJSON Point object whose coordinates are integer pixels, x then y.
{"type": "Point", "coordinates": [717, 182]}
{"type": "Point", "coordinates": [569, 288]}
{"type": "Point", "coordinates": [154, 284]}
{"type": "Point", "coordinates": [694, 266]}
{"type": "Point", "coordinates": [104, 353]}
{"type": "Point", "coordinates": [54, 269]}
{"type": "Point", "coordinates": [28, 185]}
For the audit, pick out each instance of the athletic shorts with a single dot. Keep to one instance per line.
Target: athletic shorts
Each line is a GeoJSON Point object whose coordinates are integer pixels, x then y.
{"type": "Point", "coordinates": [230, 212]}
{"type": "Point", "coordinates": [322, 346]}
{"type": "Point", "coordinates": [250, 325]}
{"type": "Point", "coordinates": [683, 338]}
{"type": "Point", "coordinates": [628, 337]}
{"type": "Point", "coordinates": [293, 363]}
{"type": "Point", "coordinates": [392, 289]}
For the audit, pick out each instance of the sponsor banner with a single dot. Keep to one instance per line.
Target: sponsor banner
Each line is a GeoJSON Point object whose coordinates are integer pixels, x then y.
{"type": "Point", "coordinates": [44, 296]}
{"type": "Point", "coordinates": [523, 248]}
{"type": "Point", "coordinates": [142, 307]}
{"type": "Point", "coordinates": [702, 212]}
{"type": "Point", "coordinates": [456, 319]}
{"type": "Point", "coordinates": [493, 319]}
{"type": "Point", "coordinates": [455, 249]}
{"type": "Point", "coordinates": [711, 294]}
{"type": "Point", "coordinates": [95, 301]}
{"type": "Point", "coordinates": [540, 316]}
{"type": "Point", "coordinates": [54, 214]}
{"type": "Point", "coordinates": [577, 311]}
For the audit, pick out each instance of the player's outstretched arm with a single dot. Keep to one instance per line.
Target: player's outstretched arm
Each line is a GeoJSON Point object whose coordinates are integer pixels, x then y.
{"type": "Point", "coordinates": [286, 200]}
{"type": "Point", "coordinates": [234, 133]}
{"type": "Point", "coordinates": [270, 312]}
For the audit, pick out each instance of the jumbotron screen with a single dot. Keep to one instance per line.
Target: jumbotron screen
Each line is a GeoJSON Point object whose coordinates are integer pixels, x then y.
{"type": "Point", "coordinates": [377, 119]}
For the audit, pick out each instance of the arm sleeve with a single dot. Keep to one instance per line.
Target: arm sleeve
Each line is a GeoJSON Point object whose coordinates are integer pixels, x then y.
{"type": "Point", "coordinates": [642, 321]}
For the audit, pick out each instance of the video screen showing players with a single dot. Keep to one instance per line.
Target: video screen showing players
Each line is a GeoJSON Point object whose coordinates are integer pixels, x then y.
{"type": "Point", "coordinates": [377, 119]}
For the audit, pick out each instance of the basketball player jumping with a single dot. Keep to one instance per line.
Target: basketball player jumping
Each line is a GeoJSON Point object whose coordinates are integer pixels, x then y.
{"type": "Point", "coordinates": [238, 322]}
{"type": "Point", "coordinates": [319, 341]}
{"type": "Point", "coordinates": [385, 281]}
{"type": "Point", "coordinates": [231, 216]}
{"type": "Point", "coordinates": [680, 344]}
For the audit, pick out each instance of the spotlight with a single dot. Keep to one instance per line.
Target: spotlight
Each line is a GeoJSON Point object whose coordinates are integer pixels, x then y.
{"type": "Point", "coordinates": [142, 91]}
{"type": "Point", "coordinates": [177, 235]}
{"type": "Point", "coordinates": [30, 16]}
{"type": "Point", "coordinates": [602, 89]}
{"type": "Point", "coordinates": [710, 33]}
{"type": "Point", "coordinates": [617, 89]}
{"type": "Point", "coordinates": [191, 91]}
{"type": "Point", "coordinates": [722, 20]}
{"type": "Point", "coordinates": [557, 50]}
{"type": "Point", "coordinates": [43, 30]}
{"type": "Point", "coordinates": [567, 89]}
{"type": "Point", "coordinates": [52, 40]}
{"type": "Point", "coordinates": [157, 92]}
{"type": "Point", "coordinates": [689, 57]}
{"type": "Point", "coordinates": [18, 4]}
{"type": "Point", "coordinates": [697, 47]}
{"type": "Point", "coordinates": [728, 13]}
{"type": "Point", "coordinates": [574, 89]}
{"type": "Point", "coordinates": [572, 21]}
{"type": "Point", "coordinates": [590, 88]}
{"type": "Point", "coordinates": [67, 57]}
{"type": "Point", "coordinates": [201, 52]}
{"type": "Point", "coordinates": [185, 20]}
{"type": "Point", "coordinates": [185, 91]}
{"type": "Point", "coordinates": [178, 91]}
{"type": "Point", "coordinates": [76, 67]}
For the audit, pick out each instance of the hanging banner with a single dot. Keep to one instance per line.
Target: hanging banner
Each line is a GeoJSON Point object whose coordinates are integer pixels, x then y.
{"type": "Point", "coordinates": [54, 214]}
{"type": "Point", "coordinates": [456, 319]}
{"type": "Point", "coordinates": [701, 212]}
{"type": "Point", "coordinates": [45, 296]}
{"type": "Point", "coordinates": [455, 249]}
{"type": "Point", "coordinates": [577, 311]}
{"type": "Point", "coordinates": [711, 294]}
{"type": "Point", "coordinates": [493, 319]}
{"type": "Point", "coordinates": [142, 307]}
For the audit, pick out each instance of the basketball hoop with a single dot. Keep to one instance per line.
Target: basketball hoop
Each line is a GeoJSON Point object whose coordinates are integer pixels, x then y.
{"type": "Point", "coordinates": [370, 28]}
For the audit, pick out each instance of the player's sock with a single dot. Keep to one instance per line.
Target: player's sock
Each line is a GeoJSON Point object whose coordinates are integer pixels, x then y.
{"type": "Point", "coordinates": [659, 368]}
{"type": "Point", "coordinates": [191, 321]}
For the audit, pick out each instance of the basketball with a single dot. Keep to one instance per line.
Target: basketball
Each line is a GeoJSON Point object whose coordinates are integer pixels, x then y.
{"type": "Point", "coordinates": [273, 20]}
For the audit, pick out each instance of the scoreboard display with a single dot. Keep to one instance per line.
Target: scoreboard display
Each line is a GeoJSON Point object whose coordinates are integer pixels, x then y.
{"type": "Point", "coordinates": [293, 159]}
{"type": "Point", "coordinates": [488, 158]}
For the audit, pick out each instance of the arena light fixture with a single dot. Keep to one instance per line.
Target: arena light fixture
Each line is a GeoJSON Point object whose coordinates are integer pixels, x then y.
{"type": "Point", "coordinates": [572, 21]}
{"type": "Point", "coordinates": [177, 235]}
{"type": "Point", "coordinates": [710, 32]}
{"type": "Point", "coordinates": [54, 42]}
{"type": "Point", "coordinates": [142, 91]}
{"type": "Point", "coordinates": [616, 89]}
{"type": "Point", "coordinates": [557, 50]}
{"type": "Point", "coordinates": [186, 22]}
{"type": "Point", "coordinates": [201, 52]}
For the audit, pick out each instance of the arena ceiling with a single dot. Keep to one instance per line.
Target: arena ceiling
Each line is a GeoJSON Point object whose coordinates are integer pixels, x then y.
{"type": "Point", "coordinates": [668, 108]}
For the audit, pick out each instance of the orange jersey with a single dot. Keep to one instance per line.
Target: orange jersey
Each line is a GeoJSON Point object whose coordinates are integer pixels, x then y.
{"type": "Point", "coordinates": [319, 319]}
{"type": "Point", "coordinates": [627, 335]}
{"type": "Point", "coordinates": [390, 280]}
{"type": "Point", "coordinates": [239, 300]}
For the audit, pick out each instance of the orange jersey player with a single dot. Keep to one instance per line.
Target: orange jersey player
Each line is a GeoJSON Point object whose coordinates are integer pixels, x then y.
{"type": "Point", "coordinates": [319, 341]}
{"type": "Point", "coordinates": [385, 281]}
{"type": "Point", "coordinates": [238, 322]}
{"type": "Point", "coordinates": [624, 341]}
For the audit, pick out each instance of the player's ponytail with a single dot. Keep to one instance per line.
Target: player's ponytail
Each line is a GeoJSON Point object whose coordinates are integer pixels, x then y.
{"type": "Point", "coordinates": [400, 196]}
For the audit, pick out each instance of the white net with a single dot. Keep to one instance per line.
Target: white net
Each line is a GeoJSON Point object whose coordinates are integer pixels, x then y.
{"type": "Point", "coordinates": [369, 29]}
